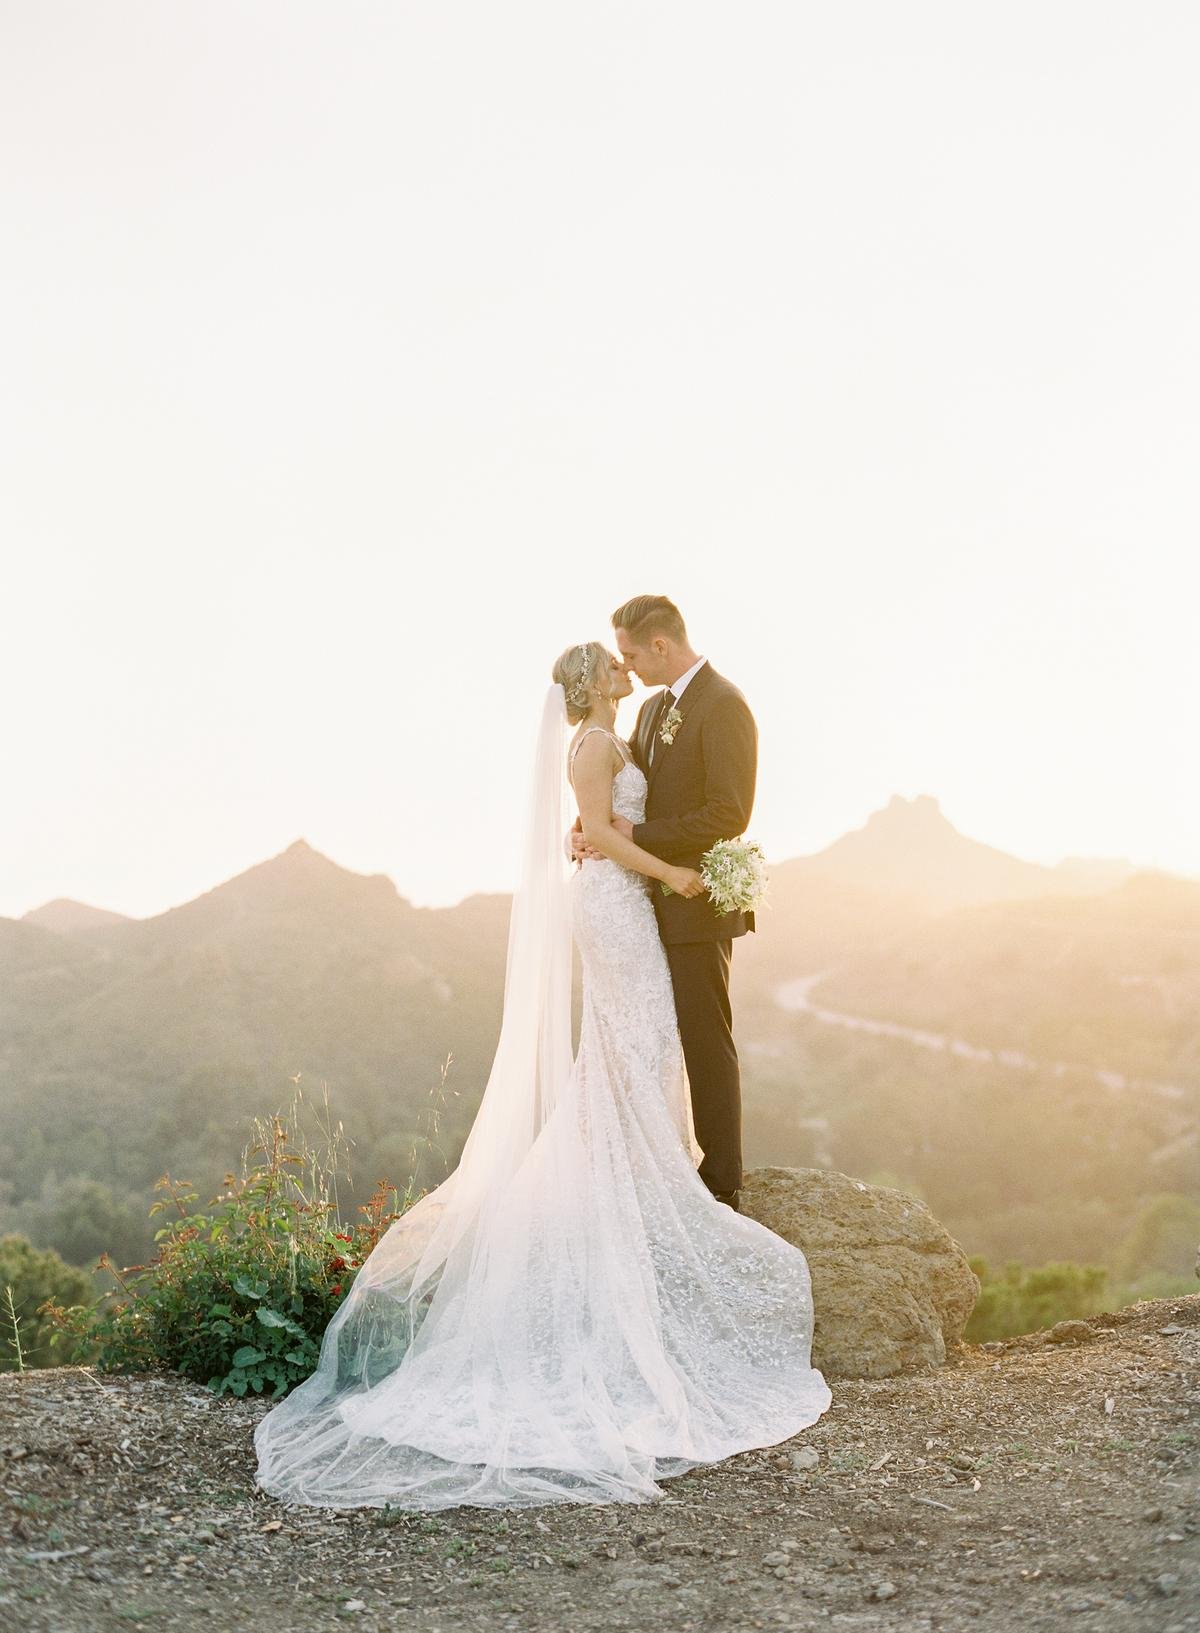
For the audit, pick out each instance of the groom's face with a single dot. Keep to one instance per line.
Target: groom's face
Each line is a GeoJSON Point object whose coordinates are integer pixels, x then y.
{"type": "Point", "coordinates": [643, 659]}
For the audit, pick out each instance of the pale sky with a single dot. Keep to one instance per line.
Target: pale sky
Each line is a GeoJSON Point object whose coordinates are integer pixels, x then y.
{"type": "Point", "coordinates": [355, 359]}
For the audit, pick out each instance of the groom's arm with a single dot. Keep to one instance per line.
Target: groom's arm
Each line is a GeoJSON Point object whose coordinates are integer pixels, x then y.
{"type": "Point", "coordinates": [729, 747]}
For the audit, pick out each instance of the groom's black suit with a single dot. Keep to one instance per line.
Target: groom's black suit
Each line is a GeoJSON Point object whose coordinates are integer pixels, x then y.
{"type": "Point", "coordinates": [701, 789]}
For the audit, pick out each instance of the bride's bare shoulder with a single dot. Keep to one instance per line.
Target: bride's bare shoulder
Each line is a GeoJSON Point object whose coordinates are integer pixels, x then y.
{"type": "Point", "coordinates": [593, 747]}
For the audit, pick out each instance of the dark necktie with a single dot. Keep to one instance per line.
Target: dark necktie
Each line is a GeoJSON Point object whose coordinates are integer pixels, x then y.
{"type": "Point", "coordinates": [666, 702]}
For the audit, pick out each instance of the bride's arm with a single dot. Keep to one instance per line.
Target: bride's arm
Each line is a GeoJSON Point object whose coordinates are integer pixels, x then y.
{"type": "Point", "coordinates": [592, 779]}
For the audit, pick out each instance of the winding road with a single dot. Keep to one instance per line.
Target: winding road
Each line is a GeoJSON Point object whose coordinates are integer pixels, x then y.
{"type": "Point", "coordinates": [795, 996]}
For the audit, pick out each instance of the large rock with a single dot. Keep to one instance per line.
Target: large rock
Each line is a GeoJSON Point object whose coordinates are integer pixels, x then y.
{"type": "Point", "coordinates": [892, 1289]}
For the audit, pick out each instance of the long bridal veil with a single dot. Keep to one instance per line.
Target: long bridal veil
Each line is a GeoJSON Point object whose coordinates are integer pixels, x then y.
{"type": "Point", "coordinates": [533, 1058]}
{"type": "Point", "coordinates": [436, 1271]}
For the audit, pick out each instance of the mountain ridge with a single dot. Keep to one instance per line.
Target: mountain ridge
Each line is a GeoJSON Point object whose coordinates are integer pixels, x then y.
{"type": "Point", "coordinates": [906, 848]}
{"type": "Point", "coordinates": [910, 845]}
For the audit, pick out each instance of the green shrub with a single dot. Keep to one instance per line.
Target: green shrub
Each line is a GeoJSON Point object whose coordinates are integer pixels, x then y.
{"type": "Point", "coordinates": [80, 1218]}
{"type": "Point", "coordinates": [29, 1277]}
{"type": "Point", "coordinates": [1026, 1298]}
{"type": "Point", "coordinates": [238, 1294]}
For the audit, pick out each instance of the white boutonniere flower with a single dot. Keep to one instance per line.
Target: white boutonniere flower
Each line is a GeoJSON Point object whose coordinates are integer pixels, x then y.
{"type": "Point", "coordinates": [671, 722]}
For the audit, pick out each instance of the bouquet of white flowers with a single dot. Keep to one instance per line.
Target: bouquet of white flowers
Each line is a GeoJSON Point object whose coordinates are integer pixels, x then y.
{"type": "Point", "coordinates": [735, 875]}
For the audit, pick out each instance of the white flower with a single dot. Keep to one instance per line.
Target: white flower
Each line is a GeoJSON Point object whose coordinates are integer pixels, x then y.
{"type": "Point", "coordinates": [734, 872]}
{"type": "Point", "coordinates": [735, 875]}
{"type": "Point", "coordinates": [671, 722]}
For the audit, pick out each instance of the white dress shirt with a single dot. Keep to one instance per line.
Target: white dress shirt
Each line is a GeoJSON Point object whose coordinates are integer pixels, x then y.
{"type": "Point", "coordinates": [677, 686]}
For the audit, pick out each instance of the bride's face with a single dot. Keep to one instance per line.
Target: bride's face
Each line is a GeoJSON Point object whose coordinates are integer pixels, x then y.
{"type": "Point", "coordinates": [616, 682]}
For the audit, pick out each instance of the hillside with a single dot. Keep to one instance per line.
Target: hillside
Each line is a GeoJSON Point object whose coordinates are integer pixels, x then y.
{"type": "Point", "coordinates": [1111, 981]}
{"type": "Point", "coordinates": [1030, 1483]}
{"type": "Point", "coordinates": [132, 1046]}
{"type": "Point", "coordinates": [122, 1036]}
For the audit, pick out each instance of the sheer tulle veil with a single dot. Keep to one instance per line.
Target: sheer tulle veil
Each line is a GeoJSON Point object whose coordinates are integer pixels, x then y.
{"type": "Point", "coordinates": [533, 1057]}
{"type": "Point", "coordinates": [436, 1252]}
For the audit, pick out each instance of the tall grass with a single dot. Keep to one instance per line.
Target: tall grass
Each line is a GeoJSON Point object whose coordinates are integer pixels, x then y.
{"type": "Point", "coordinates": [14, 1322]}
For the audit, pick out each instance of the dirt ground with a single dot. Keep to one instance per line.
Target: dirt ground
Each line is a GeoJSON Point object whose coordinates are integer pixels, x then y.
{"type": "Point", "coordinates": [1030, 1484]}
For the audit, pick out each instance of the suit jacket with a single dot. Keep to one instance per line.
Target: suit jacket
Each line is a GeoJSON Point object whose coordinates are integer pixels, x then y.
{"type": "Point", "coordinates": [700, 789]}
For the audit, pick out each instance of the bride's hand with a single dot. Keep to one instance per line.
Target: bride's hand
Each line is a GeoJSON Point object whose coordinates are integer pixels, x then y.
{"type": "Point", "coordinates": [685, 882]}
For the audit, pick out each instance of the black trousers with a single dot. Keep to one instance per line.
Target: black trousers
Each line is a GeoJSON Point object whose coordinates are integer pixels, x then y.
{"type": "Point", "coordinates": [700, 976]}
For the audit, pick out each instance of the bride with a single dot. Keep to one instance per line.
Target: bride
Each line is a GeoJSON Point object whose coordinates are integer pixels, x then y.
{"type": "Point", "coordinates": [571, 1316]}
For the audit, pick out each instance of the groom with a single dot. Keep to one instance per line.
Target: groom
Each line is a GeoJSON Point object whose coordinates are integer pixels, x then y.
{"type": "Point", "coordinates": [697, 743]}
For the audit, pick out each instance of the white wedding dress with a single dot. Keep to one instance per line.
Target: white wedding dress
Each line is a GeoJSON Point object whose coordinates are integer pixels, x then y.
{"type": "Point", "coordinates": [589, 1321]}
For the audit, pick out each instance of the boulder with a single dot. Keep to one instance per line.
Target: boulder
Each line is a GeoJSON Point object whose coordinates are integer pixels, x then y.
{"type": "Point", "coordinates": [892, 1289]}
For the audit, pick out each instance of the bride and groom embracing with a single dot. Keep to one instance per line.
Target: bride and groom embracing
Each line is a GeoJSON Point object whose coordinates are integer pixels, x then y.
{"type": "Point", "coordinates": [580, 1310]}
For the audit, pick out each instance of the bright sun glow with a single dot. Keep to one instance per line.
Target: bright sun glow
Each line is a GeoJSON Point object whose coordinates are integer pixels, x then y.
{"type": "Point", "coordinates": [359, 359]}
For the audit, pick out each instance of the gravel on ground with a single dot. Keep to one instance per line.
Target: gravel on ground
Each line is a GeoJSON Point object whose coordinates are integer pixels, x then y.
{"type": "Point", "coordinates": [1044, 1482]}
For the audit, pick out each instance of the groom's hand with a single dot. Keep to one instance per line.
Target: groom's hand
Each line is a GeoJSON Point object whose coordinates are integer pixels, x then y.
{"type": "Point", "coordinates": [581, 851]}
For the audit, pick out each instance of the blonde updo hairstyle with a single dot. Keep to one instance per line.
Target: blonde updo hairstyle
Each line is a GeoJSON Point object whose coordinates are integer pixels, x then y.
{"type": "Point", "coordinates": [577, 672]}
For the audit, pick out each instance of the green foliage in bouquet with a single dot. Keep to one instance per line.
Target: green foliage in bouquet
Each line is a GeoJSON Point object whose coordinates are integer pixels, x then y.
{"type": "Point", "coordinates": [734, 872]}
{"type": "Point", "coordinates": [239, 1292]}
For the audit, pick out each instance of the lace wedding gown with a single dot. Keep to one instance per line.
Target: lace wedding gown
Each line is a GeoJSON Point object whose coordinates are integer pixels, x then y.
{"type": "Point", "coordinates": [608, 1325]}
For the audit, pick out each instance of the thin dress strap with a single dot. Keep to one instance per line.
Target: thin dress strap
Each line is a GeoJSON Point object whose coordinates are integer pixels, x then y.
{"type": "Point", "coordinates": [620, 745]}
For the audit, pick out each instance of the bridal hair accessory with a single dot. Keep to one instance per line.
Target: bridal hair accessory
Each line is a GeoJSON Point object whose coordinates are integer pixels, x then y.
{"type": "Point", "coordinates": [578, 693]}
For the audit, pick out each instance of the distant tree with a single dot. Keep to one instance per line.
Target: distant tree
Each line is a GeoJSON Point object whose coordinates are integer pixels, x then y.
{"type": "Point", "coordinates": [1164, 1238]}
{"type": "Point", "coordinates": [33, 1277]}
{"type": "Point", "coordinates": [81, 1218]}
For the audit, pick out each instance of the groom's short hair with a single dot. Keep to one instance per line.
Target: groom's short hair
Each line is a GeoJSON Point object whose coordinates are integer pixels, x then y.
{"type": "Point", "coordinates": [649, 615]}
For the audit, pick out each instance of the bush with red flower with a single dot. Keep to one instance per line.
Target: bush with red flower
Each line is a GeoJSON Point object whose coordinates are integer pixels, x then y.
{"type": "Point", "coordinates": [239, 1292]}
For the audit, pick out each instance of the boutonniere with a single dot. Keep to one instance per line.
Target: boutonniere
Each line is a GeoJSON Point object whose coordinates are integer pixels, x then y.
{"type": "Point", "coordinates": [671, 722]}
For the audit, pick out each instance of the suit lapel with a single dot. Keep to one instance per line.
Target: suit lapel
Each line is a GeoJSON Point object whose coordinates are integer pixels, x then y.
{"type": "Point", "coordinates": [693, 693]}
{"type": "Point", "coordinates": [646, 729]}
